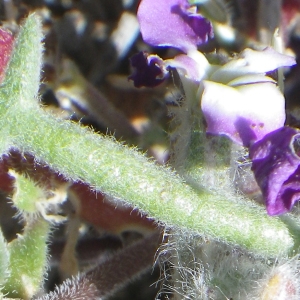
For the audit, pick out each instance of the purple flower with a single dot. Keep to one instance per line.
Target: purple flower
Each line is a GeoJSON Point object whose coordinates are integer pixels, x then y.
{"type": "Point", "coordinates": [244, 113]}
{"type": "Point", "coordinates": [276, 166]}
{"type": "Point", "coordinates": [169, 23]}
{"type": "Point", "coordinates": [239, 101]}
{"type": "Point", "coordinates": [172, 23]}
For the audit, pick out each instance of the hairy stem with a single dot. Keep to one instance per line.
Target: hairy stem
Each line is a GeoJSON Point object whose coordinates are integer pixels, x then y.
{"type": "Point", "coordinates": [110, 275]}
{"type": "Point", "coordinates": [124, 173]}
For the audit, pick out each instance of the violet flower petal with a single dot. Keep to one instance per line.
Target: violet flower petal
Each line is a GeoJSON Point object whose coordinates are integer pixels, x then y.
{"type": "Point", "coordinates": [148, 70]}
{"type": "Point", "coordinates": [245, 113]}
{"type": "Point", "coordinates": [169, 23]}
{"type": "Point", "coordinates": [276, 166]}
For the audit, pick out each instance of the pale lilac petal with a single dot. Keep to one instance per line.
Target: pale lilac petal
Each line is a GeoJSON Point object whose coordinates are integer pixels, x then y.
{"type": "Point", "coordinates": [169, 23]}
{"type": "Point", "coordinates": [188, 66]}
{"type": "Point", "coordinates": [276, 166]}
{"type": "Point", "coordinates": [250, 79]}
{"type": "Point", "coordinates": [245, 113]}
{"type": "Point", "coordinates": [251, 62]}
{"type": "Point", "coordinates": [266, 60]}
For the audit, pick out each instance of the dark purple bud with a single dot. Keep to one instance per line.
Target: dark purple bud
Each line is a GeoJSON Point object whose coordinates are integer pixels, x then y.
{"type": "Point", "coordinates": [148, 70]}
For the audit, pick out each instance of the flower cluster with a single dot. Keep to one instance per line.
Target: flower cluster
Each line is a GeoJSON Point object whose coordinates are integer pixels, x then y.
{"type": "Point", "coordinates": [238, 99]}
{"type": "Point", "coordinates": [175, 24]}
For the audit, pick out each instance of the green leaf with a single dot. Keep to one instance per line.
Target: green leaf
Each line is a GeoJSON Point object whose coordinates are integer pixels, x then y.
{"type": "Point", "coordinates": [26, 193]}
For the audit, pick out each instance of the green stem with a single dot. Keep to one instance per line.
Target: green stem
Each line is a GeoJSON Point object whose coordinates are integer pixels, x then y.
{"type": "Point", "coordinates": [28, 260]}
{"type": "Point", "coordinates": [126, 174]}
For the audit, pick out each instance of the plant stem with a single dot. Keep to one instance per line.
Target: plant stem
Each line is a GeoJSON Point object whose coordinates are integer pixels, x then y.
{"type": "Point", "coordinates": [28, 260]}
{"type": "Point", "coordinates": [126, 174]}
